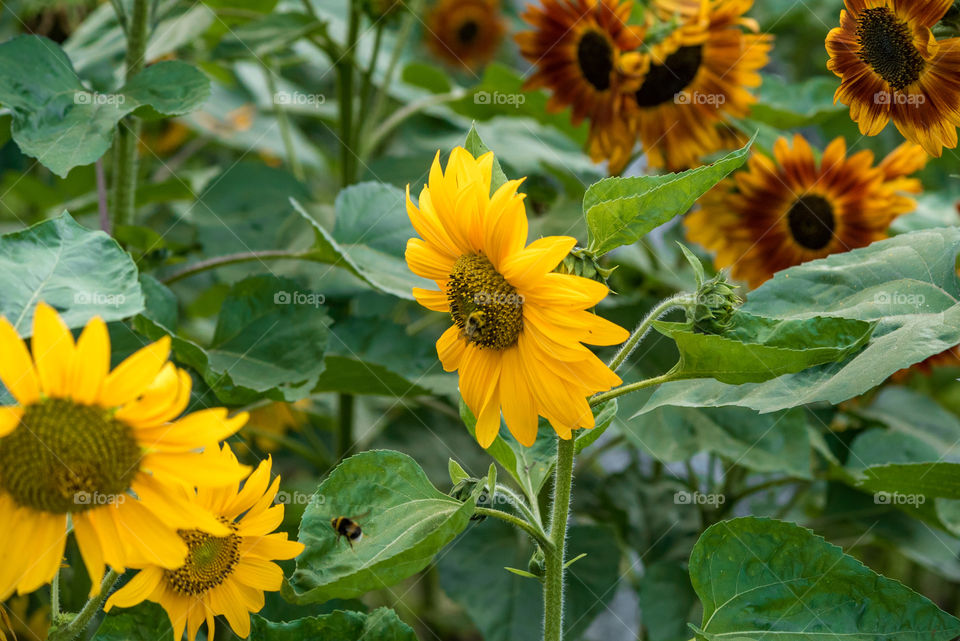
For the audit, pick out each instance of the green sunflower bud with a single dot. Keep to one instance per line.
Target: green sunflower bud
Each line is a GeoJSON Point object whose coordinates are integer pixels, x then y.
{"type": "Point", "coordinates": [465, 488]}
{"type": "Point", "coordinates": [712, 309]}
{"type": "Point", "coordinates": [580, 262]}
{"type": "Point", "coordinates": [537, 564]}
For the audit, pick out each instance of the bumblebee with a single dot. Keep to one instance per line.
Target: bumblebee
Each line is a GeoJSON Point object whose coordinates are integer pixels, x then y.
{"type": "Point", "coordinates": [475, 323]}
{"type": "Point", "coordinates": [347, 527]}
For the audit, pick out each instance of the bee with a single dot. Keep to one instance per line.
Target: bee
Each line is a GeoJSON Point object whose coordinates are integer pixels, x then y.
{"type": "Point", "coordinates": [474, 325]}
{"type": "Point", "coordinates": [348, 527]}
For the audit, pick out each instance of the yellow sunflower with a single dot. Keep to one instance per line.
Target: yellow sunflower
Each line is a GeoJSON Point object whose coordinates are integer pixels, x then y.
{"type": "Point", "coordinates": [892, 68]}
{"type": "Point", "coordinates": [517, 326]}
{"type": "Point", "coordinates": [785, 211]}
{"type": "Point", "coordinates": [698, 75]}
{"type": "Point", "coordinates": [465, 33]}
{"type": "Point", "coordinates": [581, 51]}
{"type": "Point", "coordinates": [102, 447]}
{"type": "Point", "coordinates": [224, 575]}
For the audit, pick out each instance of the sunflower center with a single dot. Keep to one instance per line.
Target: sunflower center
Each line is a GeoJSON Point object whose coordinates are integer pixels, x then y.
{"type": "Point", "coordinates": [886, 46]}
{"type": "Point", "coordinates": [483, 304]}
{"type": "Point", "coordinates": [65, 457]}
{"type": "Point", "coordinates": [811, 221]}
{"type": "Point", "coordinates": [665, 81]}
{"type": "Point", "coordinates": [595, 57]}
{"type": "Point", "coordinates": [210, 560]}
{"type": "Point", "coordinates": [468, 31]}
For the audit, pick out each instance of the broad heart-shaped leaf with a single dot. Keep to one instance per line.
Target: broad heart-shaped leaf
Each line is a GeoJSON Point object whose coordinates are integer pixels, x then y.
{"type": "Point", "coordinates": [267, 343]}
{"type": "Point", "coordinates": [382, 624]}
{"type": "Point", "coordinates": [773, 442]}
{"type": "Point", "coordinates": [80, 272]}
{"type": "Point", "coordinates": [907, 284]}
{"type": "Point", "coordinates": [61, 124]}
{"type": "Point", "coordinates": [146, 620]}
{"type": "Point", "coordinates": [405, 522]}
{"type": "Point", "coordinates": [762, 579]}
{"type": "Point", "coordinates": [757, 349]}
{"type": "Point", "coordinates": [475, 146]}
{"type": "Point", "coordinates": [621, 211]}
{"type": "Point", "coordinates": [506, 607]}
{"type": "Point", "coordinates": [369, 238]}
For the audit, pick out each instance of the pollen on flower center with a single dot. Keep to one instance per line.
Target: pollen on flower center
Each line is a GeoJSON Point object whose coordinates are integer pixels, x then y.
{"type": "Point", "coordinates": [811, 221]}
{"type": "Point", "coordinates": [65, 457]}
{"type": "Point", "coordinates": [666, 80]}
{"type": "Point", "coordinates": [886, 46]}
{"type": "Point", "coordinates": [595, 58]}
{"type": "Point", "coordinates": [483, 304]}
{"type": "Point", "coordinates": [210, 560]}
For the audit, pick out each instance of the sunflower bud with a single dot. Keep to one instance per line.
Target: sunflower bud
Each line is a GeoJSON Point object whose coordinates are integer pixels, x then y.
{"type": "Point", "coordinates": [465, 488]}
{"type": "Point", "coordinates": [712, 309]}
{"type": "Point", "coordinates": [537, 564]}
{"type": "Point", "coordinates": [581, 262]}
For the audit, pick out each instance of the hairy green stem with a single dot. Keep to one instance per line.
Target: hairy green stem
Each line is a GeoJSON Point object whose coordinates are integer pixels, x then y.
{"type": "Point", "coordinates": [535, 533]}
{"type": "Point", "coordinates": [553, 576]}
{"type": "Point", "coordinates": [128, 130]}
{"type": "Point", "coordinates": [630, 387]}
{"type": "Point", "coordinates": [644, 326]}
{"type": "Point", "coordinates": [79, 623]}
{"type": "Point", "coordinates": [233, 259]}
{"type": "Point", "coordinates": [517, 501]}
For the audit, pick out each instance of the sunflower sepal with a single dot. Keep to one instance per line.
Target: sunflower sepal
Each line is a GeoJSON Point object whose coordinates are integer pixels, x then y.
{"type": "Point", "coordinates": [582, 262]}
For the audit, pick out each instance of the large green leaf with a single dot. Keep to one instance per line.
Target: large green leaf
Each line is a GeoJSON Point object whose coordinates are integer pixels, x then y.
{"type": "Point", "coordinates": [789, 105]}
{"type": "Point", "coordinates": [146, 620]}
{"type": "Point", "coordinates": [506, 607]}
{"type": "Point", "coordinates": [621, 211]}
{"type": "Point", "coordinates": [369, 238]}
{"type": "Point", "coordinates": [757, 349]}
{"type": "Point", "coordinates": [930, 480]}
{"type": "Point", "coordinates": [80, 272]}
{"type": "Point", "coordinates": [61, 124]}
{"type": "Point", "coordinates": [382, 624]}
{"type": "Point", "coordinates": [762, 579]}
{"type": "Point", "coordinates": [666, 601]}
{"type": "Point", "coordinates": [907, 284]}
{"type": "Point", "coordinates": [405, 522]}
{"type": "Point", "coordinates": [269, 341]}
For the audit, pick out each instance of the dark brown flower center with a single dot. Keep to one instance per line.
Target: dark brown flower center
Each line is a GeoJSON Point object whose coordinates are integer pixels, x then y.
{"type": "Point", "coordinates": [468, 31]}
{"type": "Point", "coordinates": [595, 57]}
{"type": "Point", "coordinates": [811, 222]}
{"type": "Point", "coordinates": [886, 46]}
{"type": "Point", "coordinates": [210, 560]}
{"type": "Point", "coordinates": [64, 457]}
{"type": "Point", "coordinates": [483, 304]}
{"type": "Point", "coordinates": [665, 81]}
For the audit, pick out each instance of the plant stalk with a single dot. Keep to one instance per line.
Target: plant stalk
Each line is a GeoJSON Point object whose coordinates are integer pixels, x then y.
{"type": "Point", "coordinates": [72, 630]}
{"type": "Point", "coordinates": [345, 435]}
{"type": "Point", "coordinates": [345, 69]}
{"type": "Point", "coordinates": [630, 387]}
{"type": "Point", "coordinates": [283, 121]}
{"type": "Point", "coordinates": [644, 326]}
{"type": "Point", "coordinates": [535, 533]}
{"type": "Point", "coordinates": [233, 259]}
{"type": "Point", "coordinates": [553, 576]}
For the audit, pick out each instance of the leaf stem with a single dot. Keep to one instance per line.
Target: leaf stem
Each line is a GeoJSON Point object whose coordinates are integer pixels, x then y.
{"type": "Point", "coordinates": [535, 533]}
{"type": "Point", "coordinates": [128, 130]}
{"type": "Point", "coordinates": [411, 109]}
{"type": "Point", "coordinates": [674, 302]}
{"type": "Point", "coordinates": [345, 69]}
{"type": "Point", "coordinates": [55, 596]}
{"type": "Point", "coordinates": [380, 101]}
{"type": "Point", "coordinates": [232, 259]}
{"type": "Point", "coordinates": [102, 196]}
{"type": "Point", "coordinates": [520, 504]}
{"type": "Point", "coordinates": [347, 404]}
{"type": "Point", "coordinates": [78, 624]}
{"type": "Point", "coordinates": [553, 577]}
{"type": "Point", "coordinates": [283, 121]}
{"type": "Point", "coordinates": [631, 387]}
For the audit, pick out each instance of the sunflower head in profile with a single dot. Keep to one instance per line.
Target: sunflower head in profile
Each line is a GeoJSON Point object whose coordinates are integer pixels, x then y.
{"type": "Point", "coordinates": [698, 74]}
{"type": "Point", "coordinates": [581, 51]}
{"type": "Point", "coordinates": [222, 574]}
{"type": "Point", "coordinates": [517, 327]}
{"type": "Point", "coordinates": [892, 68]}
{"type": "Point", "coordinates": [102, 447]}
{"type": "Point", "coordinates": [465, 33]}
{"type": "Point", "coordinates": [787, 210]}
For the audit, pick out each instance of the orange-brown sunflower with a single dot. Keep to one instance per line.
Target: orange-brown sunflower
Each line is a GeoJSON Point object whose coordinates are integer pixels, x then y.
{"type": "Point", "coordinates": [227, 574]}
{"type": "Point", "coordinates": [698, 75]}
{"type": "Point", "coordinates": [465, 33]}
{"type": "Point", "coordinates": [581, 51]}
{"type": "Point", "coordinates": [101, 447]}
{"type": "Point", "coordinates": [518, 327]}
{"type": "Point", "coordinates": [892, 68]}
{"type": "Point", "coordinates": [785, 211]}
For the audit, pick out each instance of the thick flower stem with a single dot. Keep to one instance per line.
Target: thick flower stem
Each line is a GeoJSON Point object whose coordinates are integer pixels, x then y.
{"type": "Point", "coordinates": [78, 624]}
{"type": "Point", "coordinates": [553, 576]}
{"type": "Point", "coordinates": [644, 326]}
{"type": "Point", "coordinates": [128, 131]}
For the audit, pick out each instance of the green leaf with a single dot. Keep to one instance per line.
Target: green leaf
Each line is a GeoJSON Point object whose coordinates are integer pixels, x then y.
{"type": "Point", "coordinates": [666, 601]}
{"type": "Point", "coordinates": [267, 35]}
{"type": "Point", "coordinates": [475, 146]}
{"type": "Point", "coordinates": [146, 620]}
{"type": "Point", "coordinates": [369, 238]}
{"type": "Point", "coordinates": [382, 624]}
{"type": "Point", "coordinates": [426, 76]}
{"type": "Point", "coordinates": [762, 579]}
{"type": "Point", "coordinates": [604, 417]}
{"type": "Point", "coordinates": [757, 349]}
{"type": "Point", "coordinates": [621, 211]}
{"type": "Point", "coordinates": [63, 125]}
{"type": "Point", "coordinates": [930, 480]}
{"type": "Point", "coordinates": [790, 105]}
{"type": "Point", "coordinates": [80, 272]}
{"type": "Point", "coordinates": [457, 473]}
{"type": "Point", "coordinates": [508, 607]}
{"type": "Point", "coordinates": [907, 284]}
{"type": "Point", "coordinates": [266, 343]}
{"type": "Point", "coordinates": [405, 522]}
